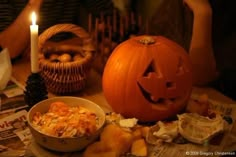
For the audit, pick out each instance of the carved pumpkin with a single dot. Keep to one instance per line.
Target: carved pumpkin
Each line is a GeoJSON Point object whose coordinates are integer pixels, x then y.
{"type": "Point", "coordinates": [148, 77]}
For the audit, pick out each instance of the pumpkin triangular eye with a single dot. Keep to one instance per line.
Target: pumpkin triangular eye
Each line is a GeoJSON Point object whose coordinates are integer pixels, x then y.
{"type": "Point", "coordinates": [151, 68]}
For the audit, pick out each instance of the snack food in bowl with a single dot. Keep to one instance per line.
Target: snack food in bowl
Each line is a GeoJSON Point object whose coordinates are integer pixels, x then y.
{"type": "Point", "coordinates": [65, 123]}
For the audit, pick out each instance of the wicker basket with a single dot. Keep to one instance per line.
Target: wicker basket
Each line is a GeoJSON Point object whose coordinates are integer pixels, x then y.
{"type": "Point", "coordinates": [66, 77]}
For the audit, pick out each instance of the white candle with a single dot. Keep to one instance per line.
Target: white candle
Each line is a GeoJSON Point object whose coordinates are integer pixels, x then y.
{"type": "Point", "coordinates": [34, 44]}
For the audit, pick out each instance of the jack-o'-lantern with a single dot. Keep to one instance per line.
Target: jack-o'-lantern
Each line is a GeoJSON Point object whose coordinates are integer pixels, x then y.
{"type": "Point", "coordinates": [148, 77]}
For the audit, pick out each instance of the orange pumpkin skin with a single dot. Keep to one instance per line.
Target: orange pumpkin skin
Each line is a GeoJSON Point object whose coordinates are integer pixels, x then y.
{"type": "Point", "coordinates": [148, 77]}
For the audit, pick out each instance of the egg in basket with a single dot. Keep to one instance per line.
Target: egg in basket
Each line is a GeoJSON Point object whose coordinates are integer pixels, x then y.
{"type": "Point", "coordinates": [65, 67]}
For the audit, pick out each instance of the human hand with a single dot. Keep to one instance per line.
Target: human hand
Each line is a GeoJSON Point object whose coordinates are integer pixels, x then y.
{"type": "Point", "coordinates": [199, 6]}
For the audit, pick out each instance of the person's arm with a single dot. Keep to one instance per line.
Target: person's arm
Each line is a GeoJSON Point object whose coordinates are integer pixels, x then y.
{"type": "Point", "coordinates": [16, 36]}
{"type": "Point", "coordinates": [201, 50]}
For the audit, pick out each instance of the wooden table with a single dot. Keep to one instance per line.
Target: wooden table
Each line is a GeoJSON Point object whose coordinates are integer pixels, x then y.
{"type": "Point", "coordinates": [93, 90]}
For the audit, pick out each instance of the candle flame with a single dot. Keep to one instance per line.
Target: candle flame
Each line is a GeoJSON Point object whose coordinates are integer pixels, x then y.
{"type": "Point", "coordinates": [33, 17]}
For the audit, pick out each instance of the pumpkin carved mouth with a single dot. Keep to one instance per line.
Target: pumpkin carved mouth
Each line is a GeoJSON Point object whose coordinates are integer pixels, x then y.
{"type": "Point", "coordinates": [159, 101]}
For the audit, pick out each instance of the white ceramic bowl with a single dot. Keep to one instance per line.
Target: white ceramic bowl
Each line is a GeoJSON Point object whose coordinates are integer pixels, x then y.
{"type": "Point", "coordinates": [68, 144]}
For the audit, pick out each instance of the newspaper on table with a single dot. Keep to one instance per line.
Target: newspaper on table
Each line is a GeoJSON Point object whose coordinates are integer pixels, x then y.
{"type": "Point", "coordinates": [14, 125]}
{"type": "Point", "coordinates": [224, 145]}
{"type": "Point", "coordinates": [11, 99]}
{"type": "Point", "coordinates": [14, 132]}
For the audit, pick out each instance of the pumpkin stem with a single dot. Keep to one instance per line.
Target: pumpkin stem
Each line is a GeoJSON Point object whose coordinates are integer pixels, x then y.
{"type": "Point", "coordinates": [147, 40]}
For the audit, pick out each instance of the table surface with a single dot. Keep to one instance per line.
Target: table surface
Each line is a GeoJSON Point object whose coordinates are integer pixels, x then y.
{"type": "Point", "coordinates": [93, 89]}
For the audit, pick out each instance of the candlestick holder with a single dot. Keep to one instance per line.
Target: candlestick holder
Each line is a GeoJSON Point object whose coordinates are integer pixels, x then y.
{"type": "Point", "coordinates": [35, 90]}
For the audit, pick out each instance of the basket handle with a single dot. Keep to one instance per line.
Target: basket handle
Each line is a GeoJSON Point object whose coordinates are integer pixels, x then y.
{"type": "Point", "coordinates": [58, 28]}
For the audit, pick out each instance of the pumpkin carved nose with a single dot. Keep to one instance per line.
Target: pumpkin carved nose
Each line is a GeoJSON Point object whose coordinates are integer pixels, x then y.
{"type": "Point", "coordinates": [151, 85]}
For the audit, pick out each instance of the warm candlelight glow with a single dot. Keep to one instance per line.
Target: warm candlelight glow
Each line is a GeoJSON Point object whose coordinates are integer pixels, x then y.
{"type": "Point", "coordinates": [34, 44]}
{"type": "Point", "coordinates": [33, 17]}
